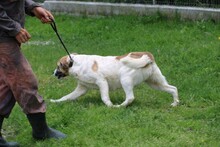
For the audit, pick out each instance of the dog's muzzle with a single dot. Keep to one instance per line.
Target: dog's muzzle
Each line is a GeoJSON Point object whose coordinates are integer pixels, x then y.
{"type": "Point", "coordinates": [59, 74]}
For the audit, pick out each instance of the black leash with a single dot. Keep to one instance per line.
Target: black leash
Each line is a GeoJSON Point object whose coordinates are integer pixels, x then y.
{"type": "Point", "coordinates": [53, 25]}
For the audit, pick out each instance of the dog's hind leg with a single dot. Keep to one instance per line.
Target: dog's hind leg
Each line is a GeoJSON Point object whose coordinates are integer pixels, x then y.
{"type": "Point", "coordinates": [158, 81]}
{"type": "Point", "coordinates": [79, 91]}
{"type": "Point", "coordinates": [128, 89]}
{"type": "Point", "coordinates": [104, 91]}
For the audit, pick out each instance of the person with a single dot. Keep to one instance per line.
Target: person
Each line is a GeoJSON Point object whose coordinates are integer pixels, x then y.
{"type": "Point", "coordinates": [18, 83]}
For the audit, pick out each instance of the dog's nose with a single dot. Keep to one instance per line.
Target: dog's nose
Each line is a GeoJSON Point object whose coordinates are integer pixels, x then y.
{"type": "Point", "coordinates": [58, 74]}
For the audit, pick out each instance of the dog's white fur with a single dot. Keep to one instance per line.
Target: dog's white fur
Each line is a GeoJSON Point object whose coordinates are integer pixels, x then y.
{"type": "Point", "coordinates": [112, 72]}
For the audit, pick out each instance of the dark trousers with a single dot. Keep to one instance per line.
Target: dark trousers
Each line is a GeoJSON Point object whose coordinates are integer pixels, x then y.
{"type": "Point", "coordinates": [17, 82]}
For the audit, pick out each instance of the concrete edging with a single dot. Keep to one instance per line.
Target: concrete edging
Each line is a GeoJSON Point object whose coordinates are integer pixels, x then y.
{"type": "Point", "coordinates": [106, 9]}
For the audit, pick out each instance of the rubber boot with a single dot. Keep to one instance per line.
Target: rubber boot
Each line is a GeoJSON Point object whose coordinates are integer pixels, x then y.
{"type": "Point", "coordinates": [3, 142]}
{"type": "Point", "coordinates": [40, 130]}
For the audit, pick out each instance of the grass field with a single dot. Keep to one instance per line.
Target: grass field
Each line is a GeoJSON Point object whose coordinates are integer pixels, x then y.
{"type": "Point", "coordinates": [188, 54]}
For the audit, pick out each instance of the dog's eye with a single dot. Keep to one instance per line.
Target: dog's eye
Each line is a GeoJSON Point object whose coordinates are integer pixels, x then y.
{"type": "Point", "coordinates": [64, 66]}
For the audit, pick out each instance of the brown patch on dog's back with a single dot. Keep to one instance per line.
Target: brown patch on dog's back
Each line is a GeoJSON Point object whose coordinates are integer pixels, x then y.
{"type": "Point", "coordinates": [95, 66]}
{"type": "Point", "coordinates": [136, 55]}
{"type": "Point", "coordinates": [120, 57]}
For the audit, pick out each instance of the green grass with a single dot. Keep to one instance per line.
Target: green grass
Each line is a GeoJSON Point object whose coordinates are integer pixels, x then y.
{"type": "Point", "coordinates": [188, 53]}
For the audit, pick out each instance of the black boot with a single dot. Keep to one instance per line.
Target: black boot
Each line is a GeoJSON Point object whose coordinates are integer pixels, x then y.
{"type": "Point", "coordinates": [40, 130]}
{"type": "Point", "coordinates": [4, 143]}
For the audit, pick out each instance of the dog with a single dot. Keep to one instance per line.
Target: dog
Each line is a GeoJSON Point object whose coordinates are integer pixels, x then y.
{"type": "Point", "coordinates": [112, 72]}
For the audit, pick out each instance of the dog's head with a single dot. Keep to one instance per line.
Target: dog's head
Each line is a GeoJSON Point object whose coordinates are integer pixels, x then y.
{"type": "Point", "coordinates": [63, 66]}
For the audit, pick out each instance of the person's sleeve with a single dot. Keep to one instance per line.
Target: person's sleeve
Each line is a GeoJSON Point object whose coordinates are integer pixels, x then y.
{"type": "Point", "coordinates": [29, 5]}
{"type": "Point", "coordinates": [7, 24]}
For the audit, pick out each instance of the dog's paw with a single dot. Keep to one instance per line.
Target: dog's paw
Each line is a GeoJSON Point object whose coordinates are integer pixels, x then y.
{"type": "Point", "coordinates": [116, 106]}
{"type": "Point", "coordinates": [174, 104]}
{"type": "Point", "coordinates": [53, 101]}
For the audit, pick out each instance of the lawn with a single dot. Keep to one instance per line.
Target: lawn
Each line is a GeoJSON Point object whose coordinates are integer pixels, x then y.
{"type": "Point", "coordinates": [188, 54]}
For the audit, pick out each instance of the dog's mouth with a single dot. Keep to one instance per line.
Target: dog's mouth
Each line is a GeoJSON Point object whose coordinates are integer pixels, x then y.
{"type": "Point", "coordinates": [59, 74]}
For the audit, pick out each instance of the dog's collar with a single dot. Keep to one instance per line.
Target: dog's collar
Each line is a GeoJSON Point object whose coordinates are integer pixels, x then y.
{"type": "Point", "coordinates": [71, 62]}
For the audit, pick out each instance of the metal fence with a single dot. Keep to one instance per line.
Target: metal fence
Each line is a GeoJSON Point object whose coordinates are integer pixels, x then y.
{"type": "Point", "coordinates": [194, 3]}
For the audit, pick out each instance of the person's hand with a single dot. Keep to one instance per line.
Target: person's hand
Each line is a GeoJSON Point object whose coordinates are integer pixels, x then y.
{"type": "Point", "coordinates": [42, 14]}
{"type": "Point", "coordinates": [23, 36]}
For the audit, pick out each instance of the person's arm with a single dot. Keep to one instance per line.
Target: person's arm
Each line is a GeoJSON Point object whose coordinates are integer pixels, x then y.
{"type": "Point", "coordinates": [7, 24]}
{"type": "Point", "coordinates": [29, 6]}
{"type": "Point", "coordinates": [12, 27]}
{"type": "Point", "coordinates": [34, 9]}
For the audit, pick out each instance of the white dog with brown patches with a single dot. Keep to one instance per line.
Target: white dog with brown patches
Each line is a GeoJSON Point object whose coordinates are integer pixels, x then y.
{"type": "Point", "coordinates": [112, 72]}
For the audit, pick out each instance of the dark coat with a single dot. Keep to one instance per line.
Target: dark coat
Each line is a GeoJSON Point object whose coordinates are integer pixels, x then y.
{"type": "Point", "coordinates": [12, 17]}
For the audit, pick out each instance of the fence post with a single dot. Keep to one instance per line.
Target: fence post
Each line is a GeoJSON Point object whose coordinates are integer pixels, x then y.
{"type": "Point", "coordinates": [154, 2]}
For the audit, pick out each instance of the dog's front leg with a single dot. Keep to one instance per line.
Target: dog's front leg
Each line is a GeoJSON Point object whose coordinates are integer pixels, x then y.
{"type": "Point", "coordinates": [79, 91]}
{"type": "Point", "coordinates": [104, 91]}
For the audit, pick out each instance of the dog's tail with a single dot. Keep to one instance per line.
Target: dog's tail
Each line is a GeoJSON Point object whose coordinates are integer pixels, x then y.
{"type": "Point", "coordinates": [141, 62]}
